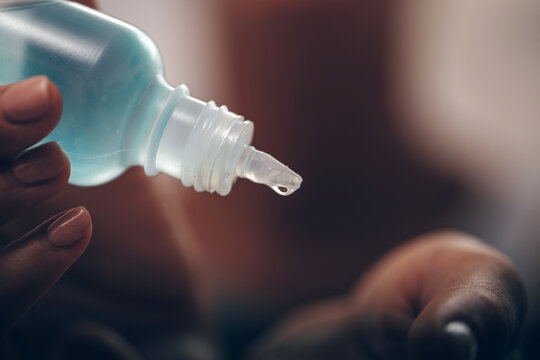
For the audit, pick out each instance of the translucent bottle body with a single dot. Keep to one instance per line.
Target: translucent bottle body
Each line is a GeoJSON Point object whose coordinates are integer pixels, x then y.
{"type": "Point", "coordinates": [116, 102]}
{"type": "Point", "coordinates": [102, 68]}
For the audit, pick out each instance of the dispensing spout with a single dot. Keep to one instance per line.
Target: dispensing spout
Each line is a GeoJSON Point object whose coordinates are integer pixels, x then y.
{"type": "Point", "coordinates": [262, 168]}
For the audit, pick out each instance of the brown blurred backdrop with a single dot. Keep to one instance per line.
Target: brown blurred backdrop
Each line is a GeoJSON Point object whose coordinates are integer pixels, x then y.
{"type": "Point", "coordinates": [401, 116]}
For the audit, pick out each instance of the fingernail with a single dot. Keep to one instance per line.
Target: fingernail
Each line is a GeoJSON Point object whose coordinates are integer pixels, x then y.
{"type": "Point", "coordinates": [462, 341]}
{"type": "Point", "coordinates": [26, 100]}
{"type": "Point", "coordinates": [69, 228]}
{"type": "Point", "coordinates": [39, 164]}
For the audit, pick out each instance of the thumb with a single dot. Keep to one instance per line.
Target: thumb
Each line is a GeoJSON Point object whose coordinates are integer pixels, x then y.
{"type": "Point", "coordinates": [443, 296]}
{"type": "Point", "coordinates": [32, 264]}
{"type": "Point", "coordinates": [477, 316]}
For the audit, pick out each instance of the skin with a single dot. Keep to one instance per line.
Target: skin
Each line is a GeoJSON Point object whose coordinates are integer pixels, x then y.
{"type": "Point", "coordinates": [400, 308]}
{"type": "Point", "coordinates": [32, 263]}
{"type": "Point", "coordinates": [144, 273]}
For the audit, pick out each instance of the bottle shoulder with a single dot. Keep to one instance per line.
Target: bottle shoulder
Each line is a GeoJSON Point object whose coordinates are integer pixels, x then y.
{"type": "Point", "coordinates": [76, 33]}
{"type": "Point", "coordinates": [123, 44]}
{"type": "Point", "coordinates": [131, 47]}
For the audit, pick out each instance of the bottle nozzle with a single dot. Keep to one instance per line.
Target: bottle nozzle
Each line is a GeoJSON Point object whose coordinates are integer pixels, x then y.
{"type": "Point", "coordinates": [262, 168]}
{"type": "Point", "coordinates": [207, 147]}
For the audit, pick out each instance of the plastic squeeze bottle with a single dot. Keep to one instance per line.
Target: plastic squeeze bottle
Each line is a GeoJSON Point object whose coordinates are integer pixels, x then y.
{"type": "Point", "coordinates": [118, 109]}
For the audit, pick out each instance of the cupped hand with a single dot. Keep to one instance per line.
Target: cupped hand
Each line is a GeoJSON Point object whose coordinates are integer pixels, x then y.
{"type": "Point", "coordinates": [31, 264]}
{"type": "Point", "coordinates": [443, 296]}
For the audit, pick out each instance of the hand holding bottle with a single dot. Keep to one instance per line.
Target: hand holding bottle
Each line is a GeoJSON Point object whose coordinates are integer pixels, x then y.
{"type": "Point", "coordinates": [33, 263]}
{"type": "Point", "coordinates": [137, 260]}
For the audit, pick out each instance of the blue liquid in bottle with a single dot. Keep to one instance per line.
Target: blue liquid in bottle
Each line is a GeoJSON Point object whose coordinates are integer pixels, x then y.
{"type": "Point", "coordinates": [117, 106]}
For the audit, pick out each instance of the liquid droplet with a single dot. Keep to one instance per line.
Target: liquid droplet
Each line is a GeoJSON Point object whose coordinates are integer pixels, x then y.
{"type": "Point", "coordinates": [282, 190]}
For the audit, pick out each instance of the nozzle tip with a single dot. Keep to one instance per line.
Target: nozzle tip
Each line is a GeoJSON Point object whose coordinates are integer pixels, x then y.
{"type": "Point", "coordinates": [264, 169]}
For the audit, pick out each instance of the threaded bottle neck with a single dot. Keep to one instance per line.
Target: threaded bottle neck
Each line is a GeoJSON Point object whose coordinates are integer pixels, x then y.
{"type": "Point", "coordinates": [207, 147]}
{"type": "Point", "coordinates": [201, 143]}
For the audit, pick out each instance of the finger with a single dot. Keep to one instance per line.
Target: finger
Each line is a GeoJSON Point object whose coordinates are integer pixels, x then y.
{"type": "Point", "coordinates": [29, 110]}
{"type": "Point", "coordinates": [35, 176]}
{"type": "Point", "coordinates": [31, 265]}
{"type": "Point", "coordinates": [475, 315]}
{"type": "Point", "coordinates": [445, 296]}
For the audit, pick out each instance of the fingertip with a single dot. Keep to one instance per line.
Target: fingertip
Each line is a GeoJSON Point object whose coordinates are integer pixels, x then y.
{"type": "Point", "coordinates": [71, 228]}
{"type": "Point", "coordinates": [29, 110]}
{"type": "Point", "coordinates": [32, 264]}
{"type": "Point", "coordinates": [44, 163]}
{"type": "Point", "coordinates": [462, 323]}
{"type": "Point", "coordinates": [27, 100]}
{"type": "Point", "coordinates": [36, 175]}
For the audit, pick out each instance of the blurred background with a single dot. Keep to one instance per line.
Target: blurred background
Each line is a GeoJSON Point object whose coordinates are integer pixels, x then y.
{"type": "Point", "coordinates": [401, 116]}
